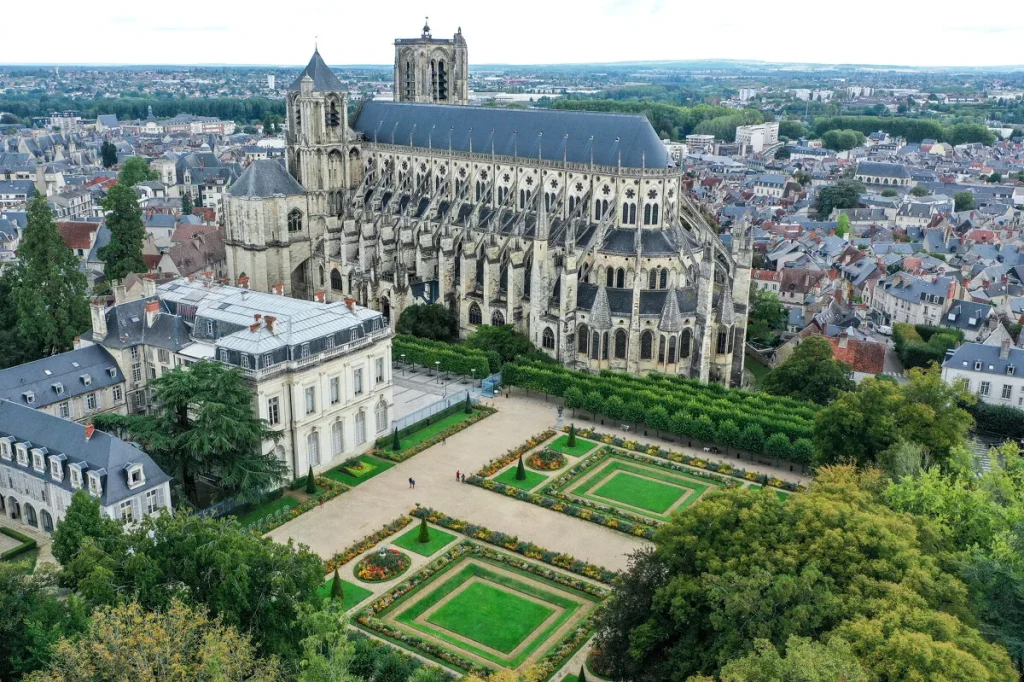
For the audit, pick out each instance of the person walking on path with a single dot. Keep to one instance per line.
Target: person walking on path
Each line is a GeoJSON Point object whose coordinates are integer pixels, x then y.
{"type": "Point", "coordinates": [456, 476]}
{"type": "Point", "coordinates": [411, 483]}
{"type": "Point", "coordinates": [463, 478]}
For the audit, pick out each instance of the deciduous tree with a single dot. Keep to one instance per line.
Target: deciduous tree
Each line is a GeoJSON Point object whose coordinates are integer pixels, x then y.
{"type": "Point", "coordinates": [134, 170]}
{"type": "Point", "coordinates": [810, 373]}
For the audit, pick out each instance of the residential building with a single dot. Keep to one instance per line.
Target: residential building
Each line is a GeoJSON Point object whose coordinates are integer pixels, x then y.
{"type": "Point", "coordinates": [758, 137]}
{"type": "Point", "coordinates": [910, 299]}
{"type": "Point", "coordinates": [993, 373]}
{"type": "Point", "coordinates": [45, 459]}
{"type": "Point", "coordinates": [884, 174]}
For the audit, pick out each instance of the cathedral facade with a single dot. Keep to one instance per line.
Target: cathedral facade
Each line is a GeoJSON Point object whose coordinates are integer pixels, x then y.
{"type": "Point", "coordinates": [573, 227]}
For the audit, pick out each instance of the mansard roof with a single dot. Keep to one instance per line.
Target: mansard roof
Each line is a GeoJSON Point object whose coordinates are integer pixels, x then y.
{"type": "Point", "coordinates": [584, 137]}
{"type": "Point", "coordinates": [265, 178]}
{"type": "Point", "coordinates": [324, 79]}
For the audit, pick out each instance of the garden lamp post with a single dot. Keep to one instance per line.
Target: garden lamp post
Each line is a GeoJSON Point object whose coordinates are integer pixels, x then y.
{"type": "Point", "coordinates": [437, 370]}
{"type": "Point", "coordinates": [403, 364]}
{"type": "Point", "coordinates": [473, 382]}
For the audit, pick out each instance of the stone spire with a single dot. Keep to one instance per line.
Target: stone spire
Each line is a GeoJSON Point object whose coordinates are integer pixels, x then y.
{"type": "Point", "coordinates": [601, 312]}
{"type": "Point", "coordinates": [726, 313]}
{"type": "Point", "coordinates": [543, 228]}
{"type": "Point", "coordinates": [671, 319]}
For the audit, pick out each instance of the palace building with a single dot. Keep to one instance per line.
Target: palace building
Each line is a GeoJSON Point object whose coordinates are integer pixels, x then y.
{"type": "Point", "coordinates": [574, 227]}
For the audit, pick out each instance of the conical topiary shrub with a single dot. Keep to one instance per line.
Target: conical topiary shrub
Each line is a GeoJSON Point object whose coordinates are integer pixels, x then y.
{"type": "Point", "coordinates": [424, 536]}
{"type": "Point", "coordinates": [582, 677]}
{"type": "Point", "coordinates": [572, 436]}
{"type": "Point", "coordinates": [336, 590]}
{"type": "Point", "coordinates": [396, 442]}
{"type": "Point", "coordinates": [469, 405]}
{"type": "Point", "coordinates": [521, 470]}
{"type": "Point", "coordinates": [310, 482]}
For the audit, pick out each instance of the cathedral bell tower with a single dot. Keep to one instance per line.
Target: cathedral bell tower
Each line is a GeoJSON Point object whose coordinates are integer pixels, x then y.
{"type": "Point", "coordinates": [432, 70]}
{"type": "Point", "coordinates": [317, 128]}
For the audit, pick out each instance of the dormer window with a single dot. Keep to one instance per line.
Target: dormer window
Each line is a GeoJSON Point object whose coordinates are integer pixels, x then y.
{"type": "Point", "coordinates": [86, 379]}
{"type": "Point", "coordinates": [57, 467]}
{"type": "Point", "coordinates": [136, 476]}
{"type": "Point", "coordinates": [1010, 370]}
{"type": "Point", "coordinates": [977, 365]}
{"type": "Point", "coordinates": [76, 476]}
{"type": "Point", "coordinates": [38, 463]}
{"type": "Point", "coordinates": [22, 455]}
{"type": "Point", "coordinates": [95, 486]}
{"type": "Point", "coordinates": [5, 448]}
{"type": "Point", "coordinates": [58, 388]}
{"type": "Point", "coordinates": [29, 396]}
{"type": "Point", "coordinates": [112, 371]}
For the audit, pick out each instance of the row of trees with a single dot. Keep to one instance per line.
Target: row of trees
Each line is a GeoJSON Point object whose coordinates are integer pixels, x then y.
{"type": "Point", "coordinates": [913, 129]}
{"type": "Point", "coordinates": [251, 109]}
{"type": "Point", "coordinates": [669, 119]}
{"type": "Point", "coordinates": [454, 359]}
{"type": "Point", "coordinates": [685, 408]}
{"type": "Point", "coordinates": [842, 140]}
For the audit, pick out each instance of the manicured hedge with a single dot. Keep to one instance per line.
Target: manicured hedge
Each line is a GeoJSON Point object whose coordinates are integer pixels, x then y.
{"type": "Point", "coordinates": [921, 345]}
{"type": "Point", "coordinates": [454, 359]}
{"type": "Point", "coordinates": [684, 407]}
{"type": "Point", "coordinates": [27, 543]}
{"type": "Point", "coordinates": [1003, 420]}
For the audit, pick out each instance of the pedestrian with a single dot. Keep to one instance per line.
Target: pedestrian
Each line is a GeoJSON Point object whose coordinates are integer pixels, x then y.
{"type": "Point", "coordinates": [456, 476]}
{"type": "Point", "coordinates": [411, 483]}
{"type": "Point", "coordinates": [463, 478]}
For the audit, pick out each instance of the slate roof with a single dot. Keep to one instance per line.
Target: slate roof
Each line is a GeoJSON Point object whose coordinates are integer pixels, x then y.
{"type": "Point", "coordinates": [126, 327]}
{"type": "Point", "coordinates": [911, 289]}
{"type": "Point", "coordinates": [965, 357]}
{"type": "Point", "coordinates": [552, 134]}
{"type": "Point", "coordinates": [652, 302]}
{"type": "Point", "coordinates": [100, 452]}
{"type": "Point", "coordinates": [66, 369]}
{"type": "Point", "coordinates": [961, 313]}
{"type": "Point", "coordinates": [324, 79]}
{"type": "Point", "coordinates": [265, 178]}
{"type": "Point", "coordinates": [882, 170]}
{"type": "Point", "coordinates": [653, 242]}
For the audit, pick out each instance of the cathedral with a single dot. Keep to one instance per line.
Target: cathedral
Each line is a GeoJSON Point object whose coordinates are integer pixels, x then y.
{"type": "Point", "coordinates": [574, 227]}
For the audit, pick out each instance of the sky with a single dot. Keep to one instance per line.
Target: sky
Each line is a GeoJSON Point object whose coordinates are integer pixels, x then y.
{"type": "Point", "coordinates": [901, 32]}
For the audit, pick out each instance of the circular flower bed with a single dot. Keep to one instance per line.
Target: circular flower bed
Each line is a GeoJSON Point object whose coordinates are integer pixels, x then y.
{"type": "Point", "coordinates": [382, 565]}
{"type": "Point", "coordinates": [547, 460]}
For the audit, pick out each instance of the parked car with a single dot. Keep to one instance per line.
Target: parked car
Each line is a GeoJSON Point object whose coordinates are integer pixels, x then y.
{"type": "Point", "coordinates": [884, 329]}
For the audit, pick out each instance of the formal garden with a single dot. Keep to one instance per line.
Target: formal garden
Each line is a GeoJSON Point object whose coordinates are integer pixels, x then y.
{"type": "Point", "coordinates": [624, 485]}
{"type": "Point", "coordinates": [471, 599]}
{"type": "Point", "coordinates": [402, 444]}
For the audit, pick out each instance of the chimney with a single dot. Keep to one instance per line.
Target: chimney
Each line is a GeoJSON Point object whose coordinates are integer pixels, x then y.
{"type": "Point", "coordinates": [120, 293]}
{"type": "Point", "coordinates": [98, 310]}
{"type": "Point", "coordinates": [243, 282]}
{"type": "Point", "coordinates": [148, 287]}
{"type": "Point", "coordinates": [844, 339]}
{"type": "Point", "coordinates": [320, 296]}
{"type": "Point", "coordinates": [1004, 349]}
{"type": "Point", "coordinates": [270, 320]}
{"type": "Point", "coordinates": [152, 309]}
{"type": "Point", "coordinates": [257, 317]}
{"type": "Point", "coordinates": [89, 429]}
{"type": "Point", "coordinates": [254, 327]}
{"type": "Point", "coordinates": [277, 289]}
{"type": "Point", "coordinates": [350, 302]}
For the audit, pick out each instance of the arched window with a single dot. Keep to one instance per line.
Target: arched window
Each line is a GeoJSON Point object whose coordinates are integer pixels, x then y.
{"type": "Point", "coordinates": [497, 318]}
{"type": "Point", "coordinates": [548, 338]}
{"type": "Point", "coordinates": [582, 339]}
{"type": "Point", "coordinates": [336, 280]}
{"type": "Point", "coordinates": [671, 348]}
{"type": "Point", "coordinates": [646, 345]}
{"type": "Point", "coordinates": [572, 203]}
{"type": "Point", "coordinates": [522, 198]}
{"type": "Point", "coordinates": [620, 278]}
{"type": "Point", "coordinates": [295, 220]}
{"type": "Point", "coordinates": [610, 277]}
{"type": "Point", "coordinates": [632, 214]}
{"type": "Point", "coordinates": [647, 214]}
{"type": "Point", "coordinates": [685, 343]}
{"type": "Point", "coordinates": [664, 279]}
{"type": "Point", "coordinates": [313, 449]}
{"type": "Point", "coordinates": [360, 427]}
{"type": "Point", "coordinates": [652, 279]}
{"type": "Point", "coordinates": [597, 209]}
{"type": "Point", "coordinates": [321, 275]}
{"type": "Point", "coordinates": [661, 348]}
{"type": "Point", "coordinates": [723, 333]}
{"type": "Point", "coordinates": [595, 346]}
{"type": "Point", "coordinates": [337, 438]}
{"type": "Point", "coordinates": [625, 213]}
{"type": "Point", "coordinates": [732, 335]}
{"type": "Point", "coordinates": [620, 344]}
{"type": "Point", "coordinates": [654, 214]}
{"type": "Point", "coordinates": [604, 346]}
{"type": "Point", "coordinates": [380, 413]}
{"type": "Point", "coordinates": [475, 317]}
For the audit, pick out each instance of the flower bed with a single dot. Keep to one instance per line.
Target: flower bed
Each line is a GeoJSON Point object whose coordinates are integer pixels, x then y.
{"type": "Point", "coordinates": [329, 489]}
{"type": "Point", "coordinates": [496, 465]}
{"type": "Point", "coordinates": [346, 555]}
{"type": "Point", "coordinates": [514, 544]}
{"type": "Point", "coordinates": [689, 460]}
{"type": "Point", "coordinates": [479, 412]}
{"type": "Point", "coordinates": [548, 664]}
{"type": "Point", "coordinates": [546, 460]}
{"type": "Point", "coordinates": [386, 564]}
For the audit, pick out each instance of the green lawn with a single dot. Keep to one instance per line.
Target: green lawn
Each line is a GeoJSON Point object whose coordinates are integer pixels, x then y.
{"type": "Point", "coordinates": [491, 616]}
{"type": "Point", "coordinates": [431, 430]}
{"type": "Point", "coordinates": [570, 678]}
{"type": "Point", "coordinates": [759, 370]}
{"type": "Point", "coordinates": [267, 509]}
{"type": "Point", "coordinates": [533, 479]}
{"type": "Point", "coordinates": [351, 593]}
{"type": "Point", "coordinates": [371, 467]}
{"type": "Point", "coordinates": [782, 495]}
{"type": "Point", "coordinates": [582, 447]}
{"type": "Point", "coordinates": [640, 492]}
{"type": "Point", "coordinates": [410, 541]}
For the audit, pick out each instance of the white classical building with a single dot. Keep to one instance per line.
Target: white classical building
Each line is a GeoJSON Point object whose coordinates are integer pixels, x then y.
{"type": "Point", "coordinates": [320, 372]}
{"type": "Point", "coordinates": [44, 459]}
{"type": "Point", "coordinates": [994, 373]}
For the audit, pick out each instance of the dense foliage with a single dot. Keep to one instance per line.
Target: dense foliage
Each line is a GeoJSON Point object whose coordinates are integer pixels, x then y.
{"type": "Point", "coordinates": [767, 317]}
{"type": "Point", "coordinates": [843, 194]}
{"type": "Point", "coordinates": [205, 424]}
{"type": "Point", "coordinates": [43, 304]}
{"type": "Point", "coordinates": [914, 129]}
{"type": "Point", "coordinates": [435, 322]}
{"type": "Point", "coordinates": [226, 108]}
{"type": "Point", "coordinates": [742, 571]}
{"type": "Point", "coordinates": [842, 140]}
{"type": "Point", "coordinates": [454, 359]}
{"type": "Point", "coordinates": [963, 201]}
{"type": "Point", "coordinates": [680, 406]}
{"type": "Point", "coordinates": [502, 343]}
{"type": "Point", "coordinates": [810, 373]}
{"type": "Point", "coordinates": [122, 256]}
{"type": "Point", "coordinates": [671, 120]}
{"type": "Point", "coordinates": [1002, 420]}
{"type": "Point", "coordinates": [921, 345]}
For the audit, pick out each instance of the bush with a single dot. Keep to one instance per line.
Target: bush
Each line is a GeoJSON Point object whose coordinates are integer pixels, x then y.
{"type": "Point", "coordinates": [434, 322]}
{"type": "Point", "coordinates": [337, 593]}
{"type": "Point", "coordinates": [1003, 420]}
{"type": "Point", "coordinates": [521, 470]}
{"type": "Point", "coordinates": [424, 536]}
{"type": "Point", "coordinates": [310, 482]}
{"type": "Point", "coordinates": [571, 442]}
{"type": "Point", "coordinates": [454, 359]}
{"type": "Point", "coordinates": [921, 345]}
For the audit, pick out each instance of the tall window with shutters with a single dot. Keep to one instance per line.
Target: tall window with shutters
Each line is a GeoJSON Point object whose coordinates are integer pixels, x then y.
{"type": "Point", "coordinates": [360, 427]}
{"type": "Point", "coordinates": [337, 438]}
{"type": "Point", "coordinates": [313, 449]}
{"type": "Point", "coordinates": [381, 415]}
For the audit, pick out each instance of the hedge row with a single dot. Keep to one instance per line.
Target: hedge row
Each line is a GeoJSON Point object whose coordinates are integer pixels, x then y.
{"type": "Point", "coordinates": [454, 359]}
{"type": "Point", "coordinates": [680, 406]}
{"type": "Point", "coordinates": [921, 345]}
{"type": "Point", "coordinates": [1003, 420]}
{"type": "Point", "coordinates": [27, 543]}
